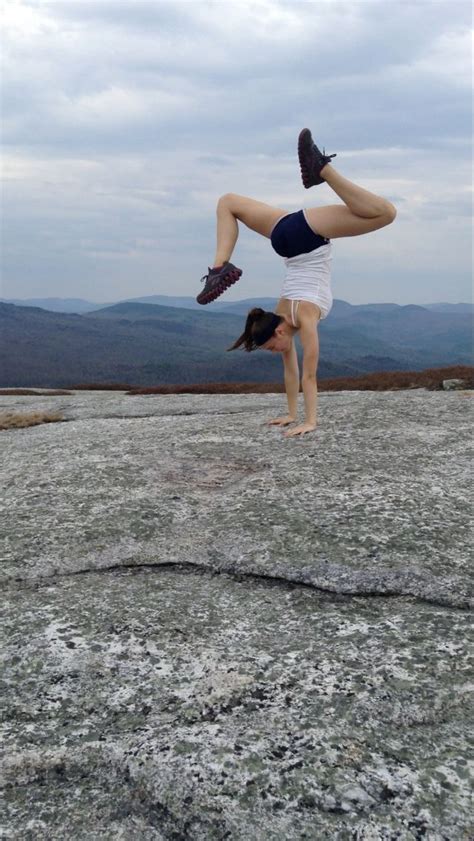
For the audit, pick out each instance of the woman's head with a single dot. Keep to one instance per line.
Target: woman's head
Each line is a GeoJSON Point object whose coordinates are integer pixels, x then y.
{"type": "Point", "coordinates": [264, 330]}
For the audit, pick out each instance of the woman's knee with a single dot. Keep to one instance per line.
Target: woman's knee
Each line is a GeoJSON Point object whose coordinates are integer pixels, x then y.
{"type": "Point", "coordinates": [390, 213]}
{"type": "Point", "coordinates": [226, 200]}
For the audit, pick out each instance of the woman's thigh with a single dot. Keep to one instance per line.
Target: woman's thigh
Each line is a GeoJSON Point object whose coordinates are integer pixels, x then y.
{"type": "Point", "coordinates": [254, 214]}
{"type": "Point", "coordinates": [336, 220]}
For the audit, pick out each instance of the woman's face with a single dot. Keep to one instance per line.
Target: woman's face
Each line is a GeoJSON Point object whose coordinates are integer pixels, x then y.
{"type": "Point", "coordinates": [280, 342]}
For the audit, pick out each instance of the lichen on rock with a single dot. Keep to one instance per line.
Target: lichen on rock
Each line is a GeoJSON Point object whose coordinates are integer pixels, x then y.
{"type": "Point", "coordinates": [216, 632]}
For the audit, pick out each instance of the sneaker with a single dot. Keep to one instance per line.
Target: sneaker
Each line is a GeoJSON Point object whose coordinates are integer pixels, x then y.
{"type": "Point", "coordinates": [217, 281]}
{"type": "Point", "coordinates": [311, 159]}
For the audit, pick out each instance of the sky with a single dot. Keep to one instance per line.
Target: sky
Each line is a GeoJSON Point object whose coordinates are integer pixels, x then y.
{"type": "Point", "coordinates": [125, 120]}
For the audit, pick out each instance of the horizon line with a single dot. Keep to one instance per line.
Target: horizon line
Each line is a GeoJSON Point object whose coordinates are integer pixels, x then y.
{"type": "Point", "coordinates": [233, 301]}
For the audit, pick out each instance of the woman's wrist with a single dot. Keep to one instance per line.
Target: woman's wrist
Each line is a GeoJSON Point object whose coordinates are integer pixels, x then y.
{"type": "Point", "coordinates": [310, 391]}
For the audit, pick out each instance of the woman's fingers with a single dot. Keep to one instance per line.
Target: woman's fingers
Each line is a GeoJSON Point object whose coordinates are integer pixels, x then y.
{"type": "Point", "coordinates": [280, 422]}
{"type": "Point", "coordinates": [300, 430]}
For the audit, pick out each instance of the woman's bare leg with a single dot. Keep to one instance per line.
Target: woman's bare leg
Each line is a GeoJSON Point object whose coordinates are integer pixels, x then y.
{"type": "Point", "coordinates": [255, 215]}
{"type": "Point", "coordinates": [361, 213]}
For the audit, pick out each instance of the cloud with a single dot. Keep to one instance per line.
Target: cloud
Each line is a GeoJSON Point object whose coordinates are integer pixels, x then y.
{"type": "Point", "coordinates": [124, 122]}
{"type": "Point", "coordinates": [159, 69]}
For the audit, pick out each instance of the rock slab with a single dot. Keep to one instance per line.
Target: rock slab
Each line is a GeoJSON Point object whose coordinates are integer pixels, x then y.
{"type": "Point", "coordinates": [214, 632]}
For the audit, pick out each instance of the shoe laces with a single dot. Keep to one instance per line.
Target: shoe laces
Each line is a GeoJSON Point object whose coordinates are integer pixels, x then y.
{"type": "Point", "coordinates": [210, 271]}
{"type": "Point", "coordinates": [206, 276]}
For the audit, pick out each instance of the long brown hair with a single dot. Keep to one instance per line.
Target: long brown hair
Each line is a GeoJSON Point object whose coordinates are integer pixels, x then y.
{"type": "Point", "coordinates": [259, 328]}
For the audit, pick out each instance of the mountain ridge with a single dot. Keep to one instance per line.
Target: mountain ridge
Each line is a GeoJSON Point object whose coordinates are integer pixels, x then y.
{"type": "Point", "coordinates": [148, 344]}
{"type": "Point", "coordinates": [81, 305]}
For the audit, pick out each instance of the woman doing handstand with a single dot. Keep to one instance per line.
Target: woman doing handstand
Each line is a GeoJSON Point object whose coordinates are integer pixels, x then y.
{"type": "Point", "coordinates": [303, 239]}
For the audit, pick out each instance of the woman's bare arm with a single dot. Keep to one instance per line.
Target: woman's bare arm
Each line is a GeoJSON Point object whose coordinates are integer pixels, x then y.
{"type": "Point", "coordinates": [310, 342]}
{"type": "Point", "coordinates": [292, 387]}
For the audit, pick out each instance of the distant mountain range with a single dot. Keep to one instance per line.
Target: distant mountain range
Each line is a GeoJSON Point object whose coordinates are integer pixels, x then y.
{"type": "Point", "coordinates": [149, 344]}
{"type": "Point", "coordinates": [81, 306]}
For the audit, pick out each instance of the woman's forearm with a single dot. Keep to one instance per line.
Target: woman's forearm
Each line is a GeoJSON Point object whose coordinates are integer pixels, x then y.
{"type": "Point", "coordinates": [292, 387]}
{"type": "Point", "coordinates": [310, 391]}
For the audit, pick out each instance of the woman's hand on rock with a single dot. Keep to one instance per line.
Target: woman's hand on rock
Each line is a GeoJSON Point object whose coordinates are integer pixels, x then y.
{"type": "Point", "coordinates": [283, 421]}
{"type": "Point", "coordinates": [300, 430]}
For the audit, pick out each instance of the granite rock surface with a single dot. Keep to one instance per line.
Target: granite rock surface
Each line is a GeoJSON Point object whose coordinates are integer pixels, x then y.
{"type": "Point", "coordinates": [214, 632]}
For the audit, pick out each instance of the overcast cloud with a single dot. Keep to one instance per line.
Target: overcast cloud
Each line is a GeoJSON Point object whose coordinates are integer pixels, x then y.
{"type": "Point", "coordinates": [125, 120]}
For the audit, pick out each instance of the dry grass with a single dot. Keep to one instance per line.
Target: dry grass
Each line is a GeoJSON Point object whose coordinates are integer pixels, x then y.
{"type": "Point", "coordinates": [20, 420]}
{"type": "Point", "coordinates": [27, 392]}
{"type": "Point", "coordinates": [101, 386]}
{"type": "Point", "coordinates": [212, 388]}
{"type": "Point", "coordinates": [431, 378]}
